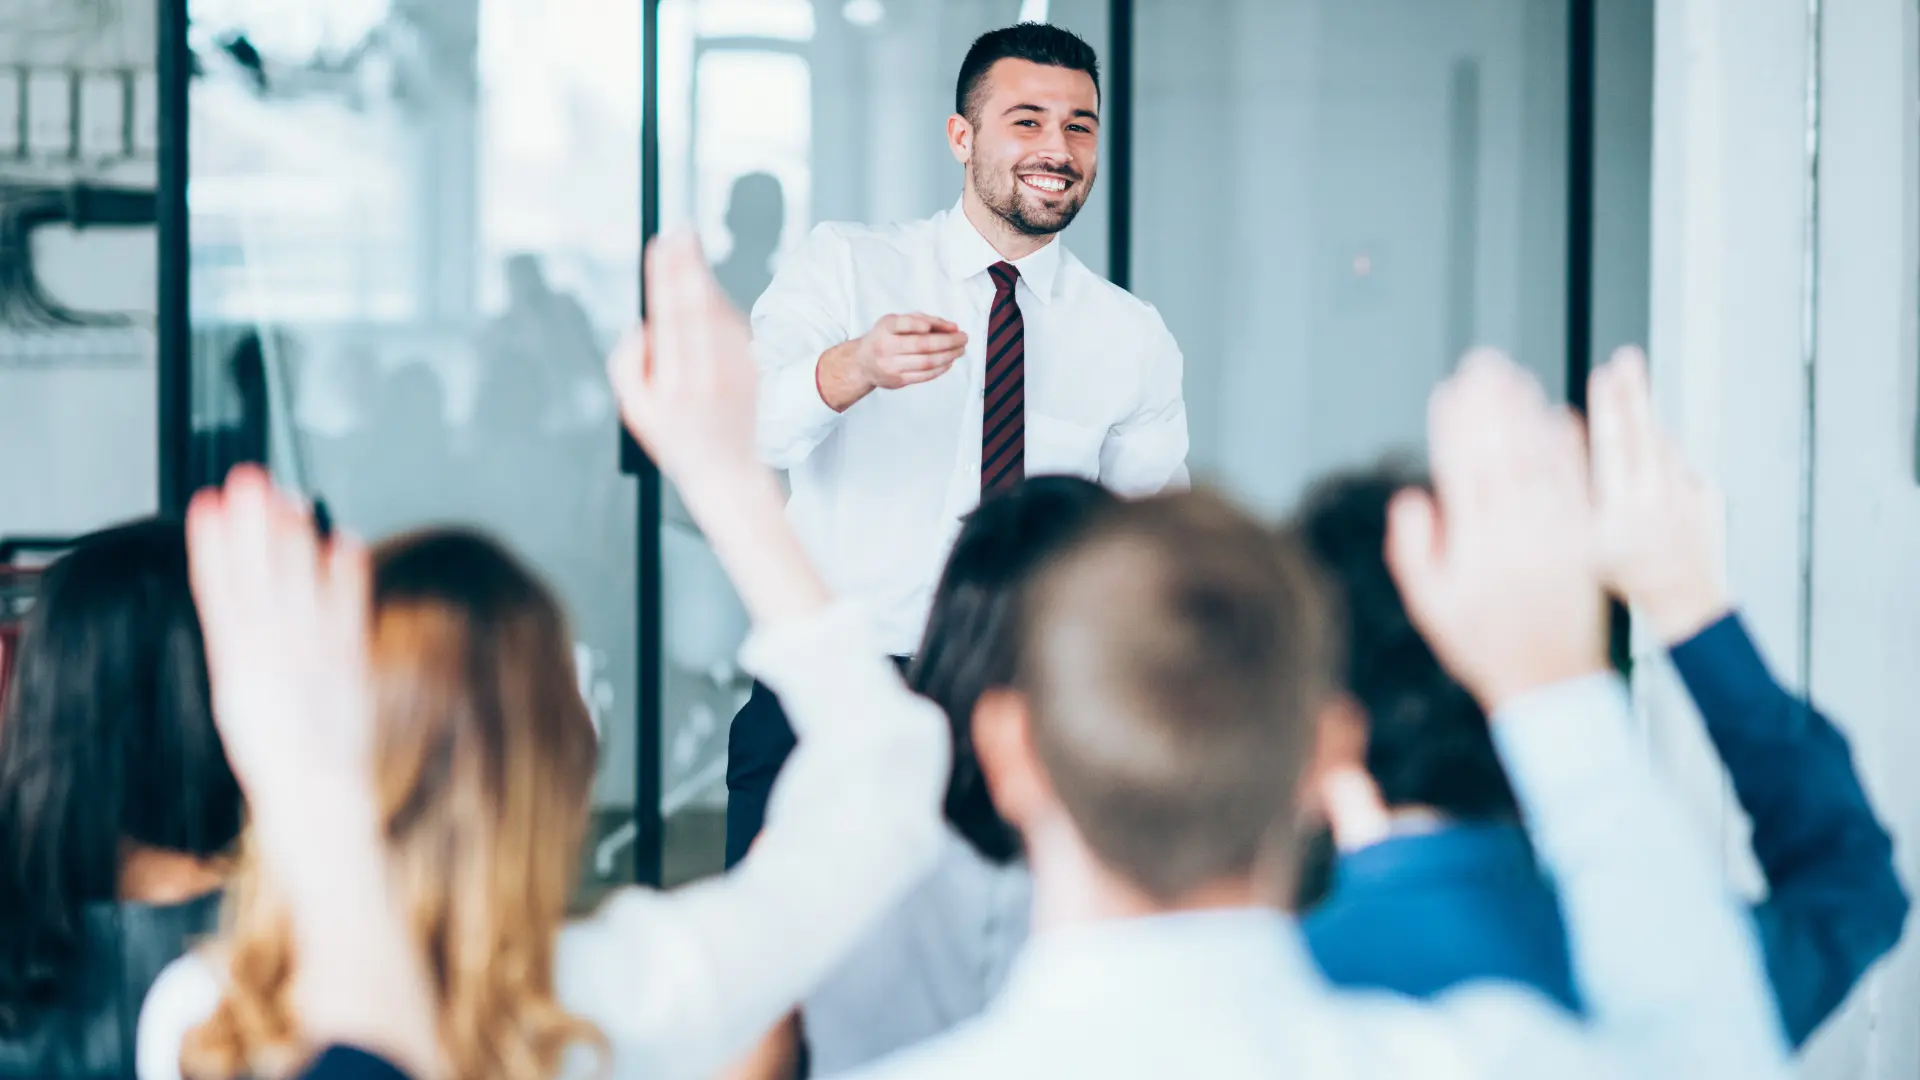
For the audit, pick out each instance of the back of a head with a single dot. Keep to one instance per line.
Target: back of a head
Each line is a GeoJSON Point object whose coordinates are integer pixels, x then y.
{"type": "Point", "coordinates": [1175, 658]}
{"type": "Point", "coordinates": [485, 760]}
{"type": "Point", "coordinates": [1428, 743]}
{"type": "Point", "coordinates": [1036, 43]}
{"type": "Point", "coordinates": [969, 644]}
{"type": "Point", "coordinates": [107, 739]}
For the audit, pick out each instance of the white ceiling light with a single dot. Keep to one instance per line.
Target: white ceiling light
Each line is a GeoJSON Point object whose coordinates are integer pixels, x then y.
{"type": "Point", "coordinates": [863, 12]}
{"type": "Point", "coordinates": [1033, 10]}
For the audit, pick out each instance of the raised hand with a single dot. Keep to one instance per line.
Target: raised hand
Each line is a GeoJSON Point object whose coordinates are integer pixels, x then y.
{"type": "Point", "coordinates": [1661, 527]}
{"type": "Point", "coordinates": [1497, 566]}
{"type": "Point", "coordinates": [686, 383]}
{"type": "Point", "coordinates": [285, 623]}
{"type": "Point", "coordinates": [686, 379]}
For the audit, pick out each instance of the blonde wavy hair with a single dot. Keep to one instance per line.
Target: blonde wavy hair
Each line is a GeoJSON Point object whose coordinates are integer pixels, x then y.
{"type": "Point", "coordinates": [485, 760]}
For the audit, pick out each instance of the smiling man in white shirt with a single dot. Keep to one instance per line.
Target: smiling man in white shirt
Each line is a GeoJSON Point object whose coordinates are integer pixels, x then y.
{"type": "Point", "coordinates": [907, 369]}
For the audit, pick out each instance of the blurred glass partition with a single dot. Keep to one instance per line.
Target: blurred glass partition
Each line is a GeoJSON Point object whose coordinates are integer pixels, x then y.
{"type": "Point", "coordinates": [1333, 198]}
{"type": "Point", "coordinates": [414, 231]}
{"type": "Point", "coordinates": [776, 115]}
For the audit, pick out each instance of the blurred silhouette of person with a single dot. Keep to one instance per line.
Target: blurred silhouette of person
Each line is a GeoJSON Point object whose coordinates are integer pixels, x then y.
{"type": "Point", "coordinates": [405, 453]}
{"type": "Point", "coordinates": [540, 358]}
{"type": "Point", "coordinates": [215, 450]}
{"type": "Point", "coordinates": [756, 216]}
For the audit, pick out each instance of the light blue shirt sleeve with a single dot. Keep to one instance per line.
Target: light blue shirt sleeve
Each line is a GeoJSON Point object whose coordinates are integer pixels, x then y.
{"type": "Point", "coordinates": [1663, 952]}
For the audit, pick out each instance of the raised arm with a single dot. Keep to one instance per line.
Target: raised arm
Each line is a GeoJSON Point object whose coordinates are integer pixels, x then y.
{"type": "Point", "coordinates": [684, 983]}
{"type": "Point", "coordinates": [1835, 904]}
{"type": "Point", "coordinates": [1498, 572]}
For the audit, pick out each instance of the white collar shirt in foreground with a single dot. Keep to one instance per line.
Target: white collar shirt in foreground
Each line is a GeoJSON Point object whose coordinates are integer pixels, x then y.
{"type": "Point", "coordinates": [683, 983]}
{"type": "Point", "coordinates": [879, 490]}
{"type": "Point", "coordinates": [1664, 953]}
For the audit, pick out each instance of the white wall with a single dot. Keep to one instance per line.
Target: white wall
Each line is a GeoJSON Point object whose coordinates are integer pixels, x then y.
{"type": "Point", "coordinates": [1730, 306]}
{"type": "Point", "coordinates": [1865, 615]}
{"type": "Point", "coordinates": [1295, 217]}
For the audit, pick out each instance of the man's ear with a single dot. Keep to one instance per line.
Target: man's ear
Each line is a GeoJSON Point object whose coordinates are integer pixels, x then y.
{"type": "Point", "coordinates": [1003, 743]}
{"type": "Point", "coordinates": [1337, 789]}
{"type": "Point", "coordinates": [960, 138]}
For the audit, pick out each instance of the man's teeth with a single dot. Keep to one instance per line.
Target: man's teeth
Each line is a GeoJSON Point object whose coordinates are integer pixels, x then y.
{"type": "Point", "coordinates": [1046, 183]}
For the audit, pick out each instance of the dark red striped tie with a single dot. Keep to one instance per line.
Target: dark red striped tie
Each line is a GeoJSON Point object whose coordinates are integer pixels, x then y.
{"type": "Point", "coordinates": [1003, 412]}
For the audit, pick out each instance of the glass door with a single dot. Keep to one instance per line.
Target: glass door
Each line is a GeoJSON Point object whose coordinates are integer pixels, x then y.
{"type": "Point", "coordinates": [413, 231]}
{"type": "Point", "coordinates": [776, 115]}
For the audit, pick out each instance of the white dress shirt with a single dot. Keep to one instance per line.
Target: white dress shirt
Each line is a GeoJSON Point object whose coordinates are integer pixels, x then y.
{"type": "Point", "coordinates": [879, 490]}
{"type": "Point", "coordinates": [683, 983]}
{"type": "Point", "coordinates": [1664, 954]}
{"type": "Point", "coordinates": [936, 960]}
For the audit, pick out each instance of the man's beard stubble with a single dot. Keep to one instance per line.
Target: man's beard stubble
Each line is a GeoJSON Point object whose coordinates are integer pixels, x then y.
{"type": "Point", "coordinates": [1007, 204]}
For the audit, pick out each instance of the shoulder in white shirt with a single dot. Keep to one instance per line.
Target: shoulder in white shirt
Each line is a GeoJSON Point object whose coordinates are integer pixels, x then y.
{"type": "Point", "coordinates": [684, 982]}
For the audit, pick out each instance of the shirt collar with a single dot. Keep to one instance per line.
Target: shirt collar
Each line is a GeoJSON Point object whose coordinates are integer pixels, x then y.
{"type": "Point", "coordinates": [965, 253]}
{"type": "Point", "coordinates": [1147, 954]}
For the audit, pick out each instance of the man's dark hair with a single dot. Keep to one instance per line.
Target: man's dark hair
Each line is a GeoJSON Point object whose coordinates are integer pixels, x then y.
{"type": "Point", "coordinates": [969, 644]}
{"type": "Point", "coordinates": [107, 738]}
{"type": "Point", "coordinates": [1036, 43]}
{"type": "Point", "coordinates": [1428, 743]}
{"type": "Point", "coordinates": [1175, 658]}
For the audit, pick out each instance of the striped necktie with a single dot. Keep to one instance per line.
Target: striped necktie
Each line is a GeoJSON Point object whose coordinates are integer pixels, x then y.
{"type": "Point", "coordinates": [1003, 410]}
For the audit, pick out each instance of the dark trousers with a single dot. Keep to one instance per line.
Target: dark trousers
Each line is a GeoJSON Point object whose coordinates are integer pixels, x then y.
{"type": "Point", "coordinates": [757, 747]}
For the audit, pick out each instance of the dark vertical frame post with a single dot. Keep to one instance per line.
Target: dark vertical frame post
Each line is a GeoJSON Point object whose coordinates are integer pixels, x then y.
{"type": "Point", "coordinates": [1582, 85]}
{"type": "Point", "coordinates": [1119, 128]}
{"type": "Point", "coordinates": [1582, 76]}
{"type": "Point", "coordinates": [173, 327]}
{"type": "Point", "coordinates": [650, 837]}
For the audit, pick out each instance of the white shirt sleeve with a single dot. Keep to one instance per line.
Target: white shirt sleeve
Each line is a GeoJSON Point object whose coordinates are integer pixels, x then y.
{"type": "Point", "coordinates": [1147, 452]}
{"type": "Point", "coordinates": [804, 312]}
{"type": "Point", "coordinates": [1663, 953]}
{"type": "Point", "coordinates": [182, 998]}
{"type": "Point", "coordinates": [684, 982]}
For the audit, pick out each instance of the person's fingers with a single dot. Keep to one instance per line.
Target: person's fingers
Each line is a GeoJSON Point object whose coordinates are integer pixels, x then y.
{"type": "Point", "coordinates": [916, 323]}
{"type": "Point", "coordinates": [920, 344]}
{"type": "Point", "coordinates": [1613, 458]}
{"type": "Point", "coordinates": [348, 581]}
{"type": "Point", "coordinates": [673, 316]}
{"type": "Point", "coordinates": [907, 365]}
{"type": "Point", "coordinates": [1413, 547]}
{"type": "Point", "coordinates": [925, 375]}
{"type": "Point", "coordinates": [208, 564]}
{"type": "Point", "coordinates": [938, 325]}
{"type": "Point", "coordinates": [252, 560]}
{"type": "Point", "coordinates": [627, 365]}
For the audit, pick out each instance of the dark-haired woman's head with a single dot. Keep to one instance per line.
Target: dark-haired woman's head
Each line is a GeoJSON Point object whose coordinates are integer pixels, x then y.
{"type": "Point", "coordinates": [1428, 744]}
{"type": "Point", "coordinates": [969, 644]}
{"type": "Point", "coordinates": [106, 743]}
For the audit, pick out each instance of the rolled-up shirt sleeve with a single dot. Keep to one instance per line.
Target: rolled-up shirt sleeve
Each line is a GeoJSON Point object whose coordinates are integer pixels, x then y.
{"type": "Point", "coordinates": [804, 312]}
{"type": "Point", "coordinates": [1146, 452]}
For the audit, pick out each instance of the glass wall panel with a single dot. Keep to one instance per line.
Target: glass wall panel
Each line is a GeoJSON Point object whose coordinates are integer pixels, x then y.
{"type": "Point", "coordinates": [776, 115]}
{"type": "Point", "coordinates": [414, 231]}
{"type": "Point", "coordinates": [1334, 198]}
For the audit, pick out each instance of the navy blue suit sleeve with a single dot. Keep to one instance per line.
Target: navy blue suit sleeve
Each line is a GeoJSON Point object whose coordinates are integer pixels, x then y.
{"type": "Point", "coordinates": [1835, 904]}
{"type": "Point", "coordinates": [347, 1063]}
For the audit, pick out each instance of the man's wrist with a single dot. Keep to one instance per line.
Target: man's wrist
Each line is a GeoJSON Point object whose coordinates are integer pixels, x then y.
{"type": "Point", "coordinates": [838, 378]}
{"type": "Point", "coordinates": [1496, 694]}
{"type": "Point", "coordinates": [1676, 618]}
